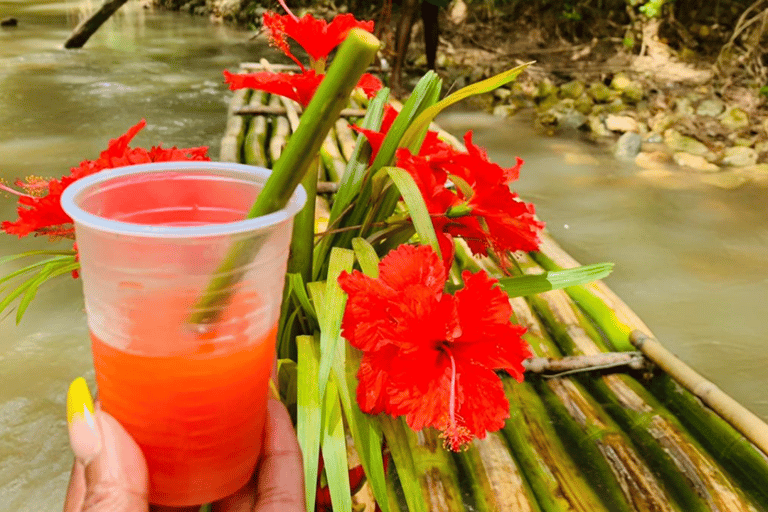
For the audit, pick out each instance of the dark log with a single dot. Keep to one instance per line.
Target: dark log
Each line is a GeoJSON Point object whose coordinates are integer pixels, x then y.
{"type": "Point", "coordinates": [89, 26]}
{"type": "Point", "coordinates": [9, 22]}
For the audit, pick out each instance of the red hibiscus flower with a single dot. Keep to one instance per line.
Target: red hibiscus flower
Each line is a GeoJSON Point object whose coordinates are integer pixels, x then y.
{"type": "Point", "coordinates": [428, 355]}
{"type": "Point", "coordinates": [39, 209]}
{"type": "Point", "coordinates": [431, 145]}
{"type": "Point", "coordinates": [480, 208]}
{"type": "Point", "coordinates": [316, 36]}
{"type": "Point", "coordinates": [299, 87]}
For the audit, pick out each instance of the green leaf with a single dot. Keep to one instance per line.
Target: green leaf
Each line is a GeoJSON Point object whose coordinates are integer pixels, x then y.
{"type": "Point", "coordinates": [335, 451]}
{"type": "Point", "coordinates": [40, 279]}
{"type": "Point", "coordinates": [308, 413]}
{"type": "Point", "coordinates": [335, 301]}
{"type": "Point", "coordinates": [554, 280]}
{"type": "Point", "coordinates": [420, 125]}
{"type": "Point", "coordinates": [417, 207]}
{"type": "Point", "coordinates": [397, 441]}
{"type": "Point", "coordinates": [35, 265]}
{"type": "Point", "coordinates": [12, 257]}
{"type": "Point", "coordinates": [300, 292]}
{"type": "Point", "coordinates": [287, 380]}
{"type": "Point", "coordinates": [366, 256]}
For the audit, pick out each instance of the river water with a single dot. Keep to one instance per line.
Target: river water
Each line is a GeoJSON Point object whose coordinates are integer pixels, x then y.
{"type": "Point", "coordinates": [692, 262]}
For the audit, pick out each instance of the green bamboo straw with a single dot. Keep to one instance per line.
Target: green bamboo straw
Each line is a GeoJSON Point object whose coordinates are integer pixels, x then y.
{"type": "Point", "coordinates": [351, 61]}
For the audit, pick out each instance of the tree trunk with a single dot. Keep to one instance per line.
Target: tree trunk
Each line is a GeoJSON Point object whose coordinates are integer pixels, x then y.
{"type": "Point", "coordinates": [89, 26]}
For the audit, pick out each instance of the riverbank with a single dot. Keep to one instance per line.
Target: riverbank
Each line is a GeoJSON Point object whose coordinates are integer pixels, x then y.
{"type": "Point", "coordinates": [681, 123]}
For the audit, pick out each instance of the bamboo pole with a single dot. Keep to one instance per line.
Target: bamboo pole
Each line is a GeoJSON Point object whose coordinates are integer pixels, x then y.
{"type": "Point", "coordinates": [254, 144]}
{"type": "Point", "coordinates": [270, 110]}
{"type": "Point", "coordinates": [347, 138]}
{"type": "Point", "coordinates": [498, 484]}
{"type": "Point", "coordinates": [742, 419]}
{"type": "Point", "coordinates": [691, 475]}
{"type": "Point", "coordinates": [746, 464]}
{"type": "Point", "coordinates": [436, 471]}
{"type": "Point", "coordinates": [234, 133]}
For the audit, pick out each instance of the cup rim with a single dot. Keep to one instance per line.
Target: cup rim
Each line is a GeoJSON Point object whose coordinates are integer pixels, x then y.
{"type": "Point", "coordinates": [70, 195]}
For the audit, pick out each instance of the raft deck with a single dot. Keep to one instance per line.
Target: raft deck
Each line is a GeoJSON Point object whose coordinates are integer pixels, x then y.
{"type": "Point", "coordinates": [612, 431]}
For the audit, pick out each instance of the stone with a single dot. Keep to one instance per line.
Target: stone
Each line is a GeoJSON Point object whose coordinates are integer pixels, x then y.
{"type": "Point", "coordinates": [682, 143]}
{"type": "Point", "coordinates": [653, 160]}
{"type": "Point", "coordinates": [683, 107]}
{"type": "Point", "coordinates": [545, 89]}
{"type": "Point", "coordinates": [548, 102]}
{"type": "Point", "coordinates": [620, 81]}
{"type": "Point", "coordinates": [570, 118]}
{"type": "Point", "coordinates": [599, 92]}
{"type": "Point", "coordinates": [504, 110]}
{"type": "Point", "coordinates": [572, 89]}
{"type": "Point", "coordinates": [712, 107]}
{"type": "Point", "coordinates": [597, 127]}
{"type": "Point", "coordinates": [734, 119]}
{"type": "Point", "coordinates": [628, 145]}
{"type": "Point", "coordinates": [695, 162]}
{"type": "Point", "coordinates": [9, 22]}
{"type": "Point", "coordinates": [662, 122]}
{"type": "Point", "coordinates": [739, 156]}
{"type": "Point", "coordinates": [655, 138]}
{"type": "Point", "coordinates": [633, 93]}
{"type": "Point", "coordinates": [621, 123]}
{"type": "Point", "coordinates": [502, 93]}
{"type": "Point", "coordinates": [583, 104]}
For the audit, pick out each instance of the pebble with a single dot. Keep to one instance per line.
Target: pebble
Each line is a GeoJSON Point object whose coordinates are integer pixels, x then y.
{"type": "Point", "coordinates": [734, 119]}
{"type": "Point", "coordinates": [628, 145]}
{"type": "Point", "coordinates": [621, 124]}
{"type": "Point", "coordinates": [713, 108]}
{"type": "Point", "coordinates": [695, 162]}
{"type": "Point", "coordinates": [682, 143]}
{"type": "Point", "coordinates": [739, 156]}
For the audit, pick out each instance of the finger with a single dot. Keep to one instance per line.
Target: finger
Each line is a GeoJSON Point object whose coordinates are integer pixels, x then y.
{"type": "Point", "coordinates": [280, 477]}
{"type": "Point", "coordinates": [116, 479]}
{"type": "Point", "coordinates": [76, 489]}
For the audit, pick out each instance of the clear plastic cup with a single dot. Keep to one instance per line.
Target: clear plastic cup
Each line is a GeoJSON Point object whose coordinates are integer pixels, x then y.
{"type": "Point", "coordinates": [150, 239]}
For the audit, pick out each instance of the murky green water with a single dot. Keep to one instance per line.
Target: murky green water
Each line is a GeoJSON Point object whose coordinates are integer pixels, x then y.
{"type": "Point", "coordinates": [692, 263]}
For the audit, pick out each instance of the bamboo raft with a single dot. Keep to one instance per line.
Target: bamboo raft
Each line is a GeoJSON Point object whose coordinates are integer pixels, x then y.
{"type": "Point", "coordinates": [624, 426]}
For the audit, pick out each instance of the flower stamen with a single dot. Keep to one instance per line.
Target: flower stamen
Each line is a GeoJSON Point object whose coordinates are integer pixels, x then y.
{"type": "Point", "coordinates": [454, 435]}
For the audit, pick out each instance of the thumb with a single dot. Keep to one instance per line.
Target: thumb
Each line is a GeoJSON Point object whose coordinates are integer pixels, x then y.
{"type": "Point", "coordinates": [110, 474]}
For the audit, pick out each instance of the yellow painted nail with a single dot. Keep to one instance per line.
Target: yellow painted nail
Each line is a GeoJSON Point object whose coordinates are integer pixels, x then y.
{"type": "Point", "coordinates": [79, 401]}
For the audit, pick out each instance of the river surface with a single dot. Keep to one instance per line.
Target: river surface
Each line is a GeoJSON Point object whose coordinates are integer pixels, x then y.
{"type": "Point", "coordinates": [692, 262]}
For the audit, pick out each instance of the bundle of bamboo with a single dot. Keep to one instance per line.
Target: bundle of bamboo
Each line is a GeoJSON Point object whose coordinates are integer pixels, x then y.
{"type": "Point", "coordinates": [616, 433]}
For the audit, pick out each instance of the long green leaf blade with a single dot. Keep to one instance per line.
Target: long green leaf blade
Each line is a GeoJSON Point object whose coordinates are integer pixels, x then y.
{"type": "Point", "coordinates": [335, 451]}
{"type": "Point", "coordinates": [308, 414]}
{"type": "Point", "coordinates": [366, 256]}
{"type": "Point", "coordinates": [418, 127]}
{"type": "Point", "coordinates": [416, 206]}
{"type": "Point", "coordinates": [335, 301]}
{"type": "Point", "coordinates": [532, 284]}
{"type": "Point", "coordinates": [35, 265]}
{"type": "Point", "coordinates": [43, 277]}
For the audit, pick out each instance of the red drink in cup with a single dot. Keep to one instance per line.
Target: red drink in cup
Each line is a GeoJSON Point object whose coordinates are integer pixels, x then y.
{"type": "Point", "coordinates": [193, 396]}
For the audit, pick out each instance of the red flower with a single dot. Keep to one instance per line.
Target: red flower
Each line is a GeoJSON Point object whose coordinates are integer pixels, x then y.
{"type": "Point", "coordinates": [299, 87]}
{"type": "Point", "coordinates": [428, 355]}
{"type": "Point", "coordinates": [316, 36]}
{"type": "Point", "coordinates": [39, 209]}
{"type": "Point", "coordinates": [480, 208]}
{"type": "Point", "coordinates": [431, 144]}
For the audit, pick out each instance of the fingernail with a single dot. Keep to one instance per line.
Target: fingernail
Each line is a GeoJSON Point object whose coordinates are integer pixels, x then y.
{"type": "Point", "coordinates": [273, 392]}
{"type": "Point", "coordinates": [84, 435]}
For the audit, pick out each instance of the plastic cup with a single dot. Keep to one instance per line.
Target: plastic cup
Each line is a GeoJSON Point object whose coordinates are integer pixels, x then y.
{"type": "Point", "coordinates": [150, 239]}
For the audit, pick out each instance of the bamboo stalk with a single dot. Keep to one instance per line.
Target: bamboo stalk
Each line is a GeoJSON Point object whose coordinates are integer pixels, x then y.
{"type": "Point", "coordinates": [234, 133]}
{"type": "Point", "coordinates": [353, 56]}
{"type": "Point", "coordinates": [281, 129]}
{"type": "Point", "coordinates": [691, 476]}
{"type": "Point", "coordinates": [497, 482]}
{"type": "Point", "coordinates": [270, 110]}
{"type": "Point", "coordinates": [745, 463]}
{"type": "Point", "coordinates": [436, 471]}
{"type": "Point", "coordinates": [332, 160]}
{"type": "Point", "coordinates": [577, 364]}
{"type": "Point", "coordinates": [254, 144]}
